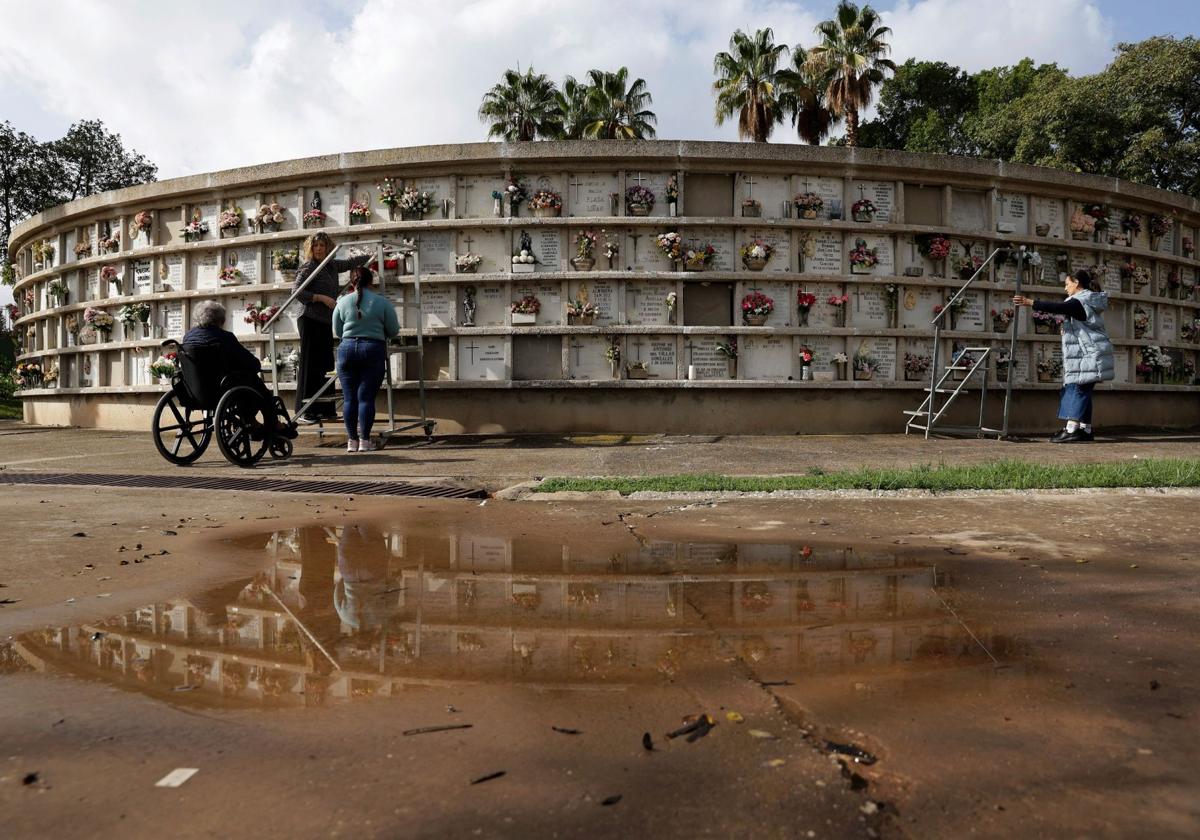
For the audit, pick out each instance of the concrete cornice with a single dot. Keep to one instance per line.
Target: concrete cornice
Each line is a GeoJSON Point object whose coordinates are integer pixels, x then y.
{"type": "Point", "coordinates": [675, 154]}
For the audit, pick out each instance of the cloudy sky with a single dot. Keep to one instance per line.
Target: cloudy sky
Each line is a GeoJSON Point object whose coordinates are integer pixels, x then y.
{"type": "Point", "coordinates": [223, 83]}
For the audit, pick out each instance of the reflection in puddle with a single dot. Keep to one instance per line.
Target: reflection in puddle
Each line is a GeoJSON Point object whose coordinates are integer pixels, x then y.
{"type": "Point", "coordinates": [354, 611]}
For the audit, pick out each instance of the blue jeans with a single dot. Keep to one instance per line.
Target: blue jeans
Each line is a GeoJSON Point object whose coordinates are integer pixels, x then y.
{"type": "Point", "coordinates": [360, 366]}
{"type": "Point", "coordinates": [1076, 403]}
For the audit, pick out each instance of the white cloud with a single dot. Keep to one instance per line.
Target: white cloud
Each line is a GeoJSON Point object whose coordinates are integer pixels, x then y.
{"type": "Point", "coordinates": [199, 87]}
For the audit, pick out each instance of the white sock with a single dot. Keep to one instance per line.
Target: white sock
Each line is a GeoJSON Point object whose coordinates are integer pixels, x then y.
{"type": "Point", "coordinates": [1087, 427]}
{"type": "Point", "coordinates": [1072, 426]}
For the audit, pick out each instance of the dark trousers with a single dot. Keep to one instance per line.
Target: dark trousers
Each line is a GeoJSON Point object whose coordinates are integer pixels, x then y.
{"type": "Point", "coordinates": [1076, 403]}
{"type": "Point", "coordinates": [361, 365]}
{"type": "Point", "coordinates": [316, 360]}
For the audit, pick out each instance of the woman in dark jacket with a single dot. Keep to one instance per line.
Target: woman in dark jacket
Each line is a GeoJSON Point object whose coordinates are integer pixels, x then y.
{"type": "Point", "coordinates": [1086, 349]}
{"type": "Point", "coordinates": [316, 322]}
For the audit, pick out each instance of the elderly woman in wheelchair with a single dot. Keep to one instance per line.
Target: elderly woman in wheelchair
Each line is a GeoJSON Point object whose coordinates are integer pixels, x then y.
{"type": "Point", "coordinates": [218, 390]}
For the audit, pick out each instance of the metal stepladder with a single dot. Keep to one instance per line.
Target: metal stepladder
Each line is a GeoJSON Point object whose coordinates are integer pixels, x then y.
{"type": "Point", "coordinates": [384, 251]}
{"type": "Point", "coordinates": [969, 362]}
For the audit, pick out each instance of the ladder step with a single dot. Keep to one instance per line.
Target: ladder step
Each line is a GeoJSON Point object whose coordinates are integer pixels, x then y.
{"type": "Point", "coordinates": [949, 391]}
{"type": "Point", "coordinates": [917, 426]}
{"type": "Point", "coordinates": [916, 413]}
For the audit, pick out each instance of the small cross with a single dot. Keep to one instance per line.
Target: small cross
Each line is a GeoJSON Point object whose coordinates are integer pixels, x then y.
{"type": "Point", "coordinates": [639, 179]}
{"type": "Point", "coordinates": [857, 299]}
{"type": "Point", "coordinates": [467, 187]}
{"type": "Point", "coordinates": [754, 287]}
{"type": "Point", "coordinates": [577, 183]}
{"type": "Point", "coordinates": [577, 347]}
{"type": "Point", "coordinates": [1002, 201]}
{"type": "Point", "coordinates": [690, 347]}
{"type": "Point", "coordinates": [635, 292]}
{"type": "Point", "coordinates": [637, 343]}
{"type": "Point", "coordinates": [633, 251]}
{"type": "Point", "coordinates": [807, 185]}
{"type": "Point", "coordinates": [468, 240]}
{"type": "Point", "coordinates": [862, 190]}
{"type": "Point", "coordinates": [749, 181]}
{"type": "Point", "coordinates": [472, 347]}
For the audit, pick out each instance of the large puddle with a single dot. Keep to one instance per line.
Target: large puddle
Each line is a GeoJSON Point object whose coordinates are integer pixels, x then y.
{"type": "Point", "coordinates": [342, 613]}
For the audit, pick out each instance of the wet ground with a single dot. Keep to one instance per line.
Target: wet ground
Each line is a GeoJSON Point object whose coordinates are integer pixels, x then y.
{"type": "Point", "coordinates": [971, 666]}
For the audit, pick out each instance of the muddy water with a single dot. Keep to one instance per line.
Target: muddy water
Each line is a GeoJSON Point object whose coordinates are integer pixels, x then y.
{"type": "Point", "coordinates": [353, 611]}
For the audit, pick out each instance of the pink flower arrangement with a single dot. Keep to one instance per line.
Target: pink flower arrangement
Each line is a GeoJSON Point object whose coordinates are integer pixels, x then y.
{"type": "Point", "coordinates": [756, 304]}
{"type": "Point", "coordinates": [838, 300]}
{"type": "Point", "coordinates": [805, 301]}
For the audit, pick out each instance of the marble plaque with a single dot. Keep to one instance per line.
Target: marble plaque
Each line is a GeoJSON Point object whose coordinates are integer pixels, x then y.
{"type": "Point", "coordinates": [245, 260]}
{"type": "Point", "coordinates": [334, 203]}
{"type": "Point", "coordinates": [210, 213]}
{"type": "Point", "coordinates": [1049, 211]}
{"type": "Point", "coordinates": [773, 192]}
{"type": "Point", "coordinates": [1121, 365]}
{"type": "Point", "coordinates": [481, 358]}
{"type": "Point", "coordinates": [205, 267]}
{"type": "Point", "coordinates": [782, 294]}
{"type": "Point", "coordinates": [766, 357]}
{"type": "Point", "coordinates": [69, 246]}
{"type": "Point", "coordinates": [438, 188]}
{"type": "Point", "coordinates": [907, 254]}
{"type": "Point", "coordinates": [646, 301]}
{"type": "Point", "coordinates": [779, 239]}
{"type": "Point", "coordinates": [1012, 212]}
{"type": "Point", "coordinates": [143, 277]}
{"type": "Point", "coordinates": [1148, 311]}
{"type": "Point", "coordinates": [656, 182]}
{"type": "Point", "coordinates": [831, 191]}
{"type": "Point", "coordinates": [824, 349]}
{"type": "Point", "coordinates": [91, 289]}
{"type": "Point", "coordinates": [1005, 271]}
{"type": "Point", "coordinates": [826, 253]}
{"type": "Point", "coordinates": [437, 305]}
{"type": "Point", "coordinates": [170, 273]}
{"type": "Point", "coordinates": [491, 244]}
{"type": "Point", "coordinates": [548, 294]}
{"type": "Point", "coordinates": [884, 351]}
{"type": "Point", "coordinates": [700, 352]}
{"type": "Point", "coordinates": [603, 293]}
{"type": "Point", "coordinates": [1166, 245]}
{"type": "Point", "coordinates": [590, 193]}
{"type": "Point", "coordinates": [657, 351]}
{"type": "Point", "coordinates": [236, 321]}
{"type": "Point", "coordinates": [821, 314]}
{"type": "Point", "coordinates": [289, 202]}
{"type": "Point", "coordinates": [548, 181]}
{"type": "Point", "coordinates": [1116, 319]}
{"type": "Point", "coordinates": [726, 257]}
{"type": "Point", "coordinates": [89, 368]}
{"type": "Point", "coordinates": [967, 210]}
{"type": "Point", "coordinates": [491, 305]}
{"type": "Point", "coordinates": [868, 306]}
{"type": "Point", "coordinates": [547, 247]}
{"type": "Point", "coordinates": [884, 250]}
{"type": "Point", "coordinates": [640, 252]}
{"type": "Point", "coordinates": [474, 196]}
{"type": "Point", "coordinates": [972, 316]}
{"type": "Point", "coordinates": [881, 193]}
{"type": "Point", "coordinates": [1166, 323]}
{"type": "Point", "coordinates": [435, 249]}
{"type": "Point", "coordinates": [585, 357]}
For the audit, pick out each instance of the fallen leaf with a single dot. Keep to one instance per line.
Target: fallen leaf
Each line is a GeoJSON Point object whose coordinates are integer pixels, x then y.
{"type": "Point", "coordinates": [734, 717]}
{"type": "Point", "coordinates": [762, 733]}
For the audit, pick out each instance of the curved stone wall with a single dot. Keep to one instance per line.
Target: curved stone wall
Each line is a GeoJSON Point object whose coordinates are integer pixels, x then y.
{"type": "Point", "coordinates": [556, 374]}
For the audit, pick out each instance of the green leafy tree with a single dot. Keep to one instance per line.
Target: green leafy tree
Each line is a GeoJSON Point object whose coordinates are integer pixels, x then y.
{"type": "Point", "coordinates": [26, 182]}
{"type": "Point", "coordinates": [747, 83]}
{"type": "Point", "coordinates": [802, 96]}
{"type": "Point", "coordinates": [91, 159]}
{"type": "Point", "coordinates": [922, 109]}
{"type": "Point", "coordinates": [574, 108]}
{"type": "Point", "coordinates": [523, 106]}
{"type": "Point", "coordinates": [620, 108]}
{"type": "Point", "coordinates": [852, 61]}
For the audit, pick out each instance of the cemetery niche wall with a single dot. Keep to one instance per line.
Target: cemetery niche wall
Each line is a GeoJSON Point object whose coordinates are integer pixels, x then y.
{"type": "Point", "coordinates": [641, 287]}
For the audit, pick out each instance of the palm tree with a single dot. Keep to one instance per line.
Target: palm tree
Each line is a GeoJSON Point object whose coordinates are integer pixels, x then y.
{"type": "Point", "coordinates": [521, 107]}
{"type": "Point", "coordinates": [574, 108]}
{"type": "Point", "coordinates": [802, 95]}
{"type": "Point", "coordinates": [619, 109]}
{"type": "Point", "coordinates": [851, 61]}
{"type": "Point", "coordinates": [747, 83]}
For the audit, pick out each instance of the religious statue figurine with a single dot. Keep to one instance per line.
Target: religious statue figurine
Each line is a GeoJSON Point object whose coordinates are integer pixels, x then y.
{"type": "Point", "coordinates": [315, 204]}
{"type": "Point", "coordinates": [526, 242]}
{"type": "Point", "coordinates": [469, 306]}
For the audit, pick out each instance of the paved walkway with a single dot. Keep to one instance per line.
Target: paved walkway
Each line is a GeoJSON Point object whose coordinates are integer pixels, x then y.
{"type": "Point", "coordinates": [501, 461]}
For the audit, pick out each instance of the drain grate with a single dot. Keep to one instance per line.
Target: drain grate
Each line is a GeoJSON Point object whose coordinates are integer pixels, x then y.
{"type": "Point", "coordinates": [251, 485]}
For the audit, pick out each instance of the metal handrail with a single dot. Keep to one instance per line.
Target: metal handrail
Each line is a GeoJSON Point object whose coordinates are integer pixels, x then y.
{"type": "Point", "coordinates": [963, 288]}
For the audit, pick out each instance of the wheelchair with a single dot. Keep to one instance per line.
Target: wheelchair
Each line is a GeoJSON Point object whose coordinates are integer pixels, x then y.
{"type": "Point", "coordinates": [205, 402]}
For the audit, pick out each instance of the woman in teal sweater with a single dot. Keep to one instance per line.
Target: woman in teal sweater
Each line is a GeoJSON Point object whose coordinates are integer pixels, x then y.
{"type": "Point", "coordinates": [364, 321]}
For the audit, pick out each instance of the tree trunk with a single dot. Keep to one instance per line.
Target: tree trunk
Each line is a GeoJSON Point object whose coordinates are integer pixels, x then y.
{"type": "Point", "coordinates": [851, 126]}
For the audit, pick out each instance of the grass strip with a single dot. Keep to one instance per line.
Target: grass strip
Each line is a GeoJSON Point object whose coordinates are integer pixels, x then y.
{"type": "Point", "coordinates": [10, 408]}
{"type": "Point", "coordinates": [996, 475]}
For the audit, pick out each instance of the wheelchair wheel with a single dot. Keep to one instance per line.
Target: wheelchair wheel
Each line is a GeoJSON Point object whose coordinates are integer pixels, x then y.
{"type": "Point", "coordinates": [241, 426]}
{"type": "Point", "coordinates": [180, 434]}
{"type": "Point", "coordinates": [280, 448]}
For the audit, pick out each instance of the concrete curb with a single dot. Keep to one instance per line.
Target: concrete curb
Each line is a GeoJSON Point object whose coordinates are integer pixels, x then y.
{"type": "Point", "coordinates": [524, 492]}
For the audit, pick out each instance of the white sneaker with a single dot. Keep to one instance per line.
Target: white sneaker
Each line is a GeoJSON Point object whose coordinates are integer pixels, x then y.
{"type": "Point", "coordinates": [366, 445]}
{"type": "Point", "coordinates": [352, 445]}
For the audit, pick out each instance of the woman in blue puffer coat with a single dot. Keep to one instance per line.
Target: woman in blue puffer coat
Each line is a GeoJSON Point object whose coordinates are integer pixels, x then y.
{"type": "Point", "coordinates": [1087, 352]}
